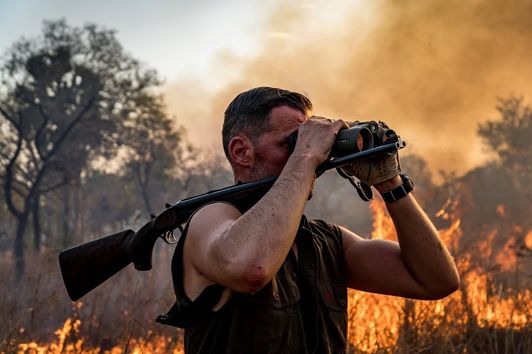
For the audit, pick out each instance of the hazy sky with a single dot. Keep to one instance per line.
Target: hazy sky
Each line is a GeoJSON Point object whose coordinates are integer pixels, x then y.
{"type": "Point", "coordinates": [174, 36]}
{"type": "Point", "coordinates": [432, 69]}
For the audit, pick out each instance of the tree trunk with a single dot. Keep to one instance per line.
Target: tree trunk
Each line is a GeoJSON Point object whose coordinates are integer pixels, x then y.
{"type": "Point", "coordinates": [146, 198]}
{"type": "Point", "coordinates": [76, 210]}
{"type": "Point", "coordinates": [18, 247]}
{"type": "Point", "coordinates": [66, 213]}
{"type": "Point", "coordinates": [143, 185]}
{"type": "Point", "coordinates": [36, 223]}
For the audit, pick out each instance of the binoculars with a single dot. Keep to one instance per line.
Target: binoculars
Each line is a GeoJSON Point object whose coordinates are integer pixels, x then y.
{"type": "Point", "coordinates": [359, 137]}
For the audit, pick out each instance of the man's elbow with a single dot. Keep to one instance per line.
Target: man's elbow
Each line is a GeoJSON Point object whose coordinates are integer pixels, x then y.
{"type": "Point", "coordinates": [242, 274]}
{"type": "Point", "coordinates": [249, 279]}
{"type": "Point", "coordinates": [445, 287]}
{"type": "Point", "coordinates": [254, 278]}
{"type": "Point", "coordinates": [453, 283]}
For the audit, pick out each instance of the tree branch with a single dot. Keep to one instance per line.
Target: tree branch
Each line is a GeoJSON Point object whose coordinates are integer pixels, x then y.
{"type": "Point", "coordinates": [41, 128]}
{"type": "Point", "coordinates": [9, 118]}
{"type": "Point", "coordinates": [57, 145]}
{"type": "Point", "coordinates": [69, 128]}
{"type": "Point", "coordinates": [53, 187]}
{"type": "Point", "coordinates": [8, 185]}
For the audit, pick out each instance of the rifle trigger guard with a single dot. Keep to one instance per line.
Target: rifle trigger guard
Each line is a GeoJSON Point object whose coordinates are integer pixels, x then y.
{"type": "Point", "coordinates": [169, 236]}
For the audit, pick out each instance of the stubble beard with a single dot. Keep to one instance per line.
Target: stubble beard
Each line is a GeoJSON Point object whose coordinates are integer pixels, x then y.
{"type": "Point", "coordinates": [260, 172]}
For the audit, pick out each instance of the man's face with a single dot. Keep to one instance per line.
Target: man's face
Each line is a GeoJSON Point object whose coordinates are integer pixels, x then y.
{"type": "Point", "coordinates": [271, 151]}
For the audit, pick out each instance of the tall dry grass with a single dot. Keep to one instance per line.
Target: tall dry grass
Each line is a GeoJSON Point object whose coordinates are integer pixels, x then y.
{"type": "Point", "coordinates": [116, 317]}
{"type": "Point", "coordinates": [491, 313]}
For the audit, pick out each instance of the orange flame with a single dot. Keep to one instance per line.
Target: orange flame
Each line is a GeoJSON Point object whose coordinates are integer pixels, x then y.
{"type": "Point", "coordinates": [501, 210]}
{"type": "Point", "coordinates": [383, 323]}
{"type": "Point", "coordinates": [382, 227]}
{"type": "Point", "coordinates": [156, 344]}
{"type": "Point", "coordinates": [528, 240]}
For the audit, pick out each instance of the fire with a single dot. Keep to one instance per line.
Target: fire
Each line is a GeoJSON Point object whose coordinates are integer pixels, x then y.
{"type": "Point", "coordinates": [388, 324]}
{"type": "Point", "coordinates": [70, 330]}
{"type": "Point", "coordinates": [70, 327]}
{"type": "Point", "coordinates": [378, 323]}
{"type": "Point", "coordinates": [507, 258]}
{"type": "Point", "coordinates": [501, 210]}
{"type": "Point", "coordinates": [382, 226]}
{"type": "Point", "coordinates": [528, 240]}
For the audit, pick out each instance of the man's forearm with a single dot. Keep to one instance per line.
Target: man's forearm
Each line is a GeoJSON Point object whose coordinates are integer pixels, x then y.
{"type": "Point", "coordinates": [423, 253]}
{"type": "Point", "coordinates": [260, 239]}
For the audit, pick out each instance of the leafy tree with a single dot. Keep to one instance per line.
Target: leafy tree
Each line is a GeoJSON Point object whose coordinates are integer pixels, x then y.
{"type": "Point", "coordinates": [510, 136]}
{"type": "Point", "coordinates": [493, 201]}
{"type": "Point", "coordinates": [65, 100]}
{"type": "Point", "coordinates": [204, 170]}
{"type": "Point", "coordinates": [153, 147]}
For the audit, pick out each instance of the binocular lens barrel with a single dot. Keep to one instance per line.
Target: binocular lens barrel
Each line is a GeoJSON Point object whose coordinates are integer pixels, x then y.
{"type": "Point", "coordinates": [352, 140]}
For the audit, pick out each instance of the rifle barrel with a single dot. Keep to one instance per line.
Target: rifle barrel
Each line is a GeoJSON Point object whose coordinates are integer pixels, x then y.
{"type": "Point", "coordinates": [179, 212]}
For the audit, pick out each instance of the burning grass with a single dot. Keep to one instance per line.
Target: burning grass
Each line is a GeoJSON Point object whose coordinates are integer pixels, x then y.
{"type": "Point", "coordinates": [491, 313]}
{"type": "Point", "coordinates": [154, 344]}
{"type": "Point", "coordinates": [157, 344]}
{"type": "Point", "coordinates": [486, 315]}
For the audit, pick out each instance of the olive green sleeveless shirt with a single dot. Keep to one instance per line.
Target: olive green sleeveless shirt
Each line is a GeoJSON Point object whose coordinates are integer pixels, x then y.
{"type": "Point", "coordinates": [302, 310]}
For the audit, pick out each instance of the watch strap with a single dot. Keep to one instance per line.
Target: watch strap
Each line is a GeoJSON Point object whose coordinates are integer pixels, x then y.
{"type": "Point", "coordinates": [400, 191]}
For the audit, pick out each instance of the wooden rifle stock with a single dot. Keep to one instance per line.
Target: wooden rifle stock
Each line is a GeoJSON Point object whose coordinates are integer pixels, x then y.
{"type": "Point", "coordinates": [88, 265]}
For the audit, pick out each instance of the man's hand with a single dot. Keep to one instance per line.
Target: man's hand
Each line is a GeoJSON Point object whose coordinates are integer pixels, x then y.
{"type": "Point", "coordinates": [376, 170]}
{"type": "Point", "coordinates": [316, 138]}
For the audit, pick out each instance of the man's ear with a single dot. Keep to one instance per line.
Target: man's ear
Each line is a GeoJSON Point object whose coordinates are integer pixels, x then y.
{"type": "Point", "coordinates": [241, 150]}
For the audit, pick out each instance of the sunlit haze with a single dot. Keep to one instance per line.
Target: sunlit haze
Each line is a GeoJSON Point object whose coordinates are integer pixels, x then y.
{"type": "Point", "coordinates": [432, 70]}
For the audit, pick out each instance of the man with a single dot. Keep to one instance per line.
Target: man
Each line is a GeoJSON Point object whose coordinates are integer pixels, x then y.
{"type": "Point", "coordinates": [261, 278]}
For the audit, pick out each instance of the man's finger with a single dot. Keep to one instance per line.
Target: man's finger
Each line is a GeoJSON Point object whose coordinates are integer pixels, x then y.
{"type": "Point", "coordinates": [343, 123]}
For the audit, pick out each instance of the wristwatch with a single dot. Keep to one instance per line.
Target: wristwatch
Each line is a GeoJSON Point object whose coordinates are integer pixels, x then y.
{"type": "Point", "coordinates": [400, 191]}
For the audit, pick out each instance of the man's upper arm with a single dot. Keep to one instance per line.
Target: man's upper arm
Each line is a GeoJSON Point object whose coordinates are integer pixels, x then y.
{"type": "Point", "coordinates": [376, 266]}
{"type": "Point", "coordinates": [206, 230]}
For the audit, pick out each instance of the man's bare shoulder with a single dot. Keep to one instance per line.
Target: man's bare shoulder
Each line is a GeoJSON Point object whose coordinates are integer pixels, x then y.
{"type": "Point", "coordinates": [210, 221]}
{"type": "Point", "coordinates": [213, 214]}
{"type": "Point", "coordinates": [205, 226]}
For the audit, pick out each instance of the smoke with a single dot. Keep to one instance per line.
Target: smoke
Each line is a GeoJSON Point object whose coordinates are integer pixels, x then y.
{"type": "Point", "coordinates": [431, 69]}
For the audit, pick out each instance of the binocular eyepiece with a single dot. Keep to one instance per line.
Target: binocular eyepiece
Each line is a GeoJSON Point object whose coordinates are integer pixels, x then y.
{"type": "Point", "coordinates": [359, 137]}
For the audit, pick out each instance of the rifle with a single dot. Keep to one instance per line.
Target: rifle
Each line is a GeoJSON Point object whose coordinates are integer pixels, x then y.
{"type": "Point", "coordinates": [86, 266]}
